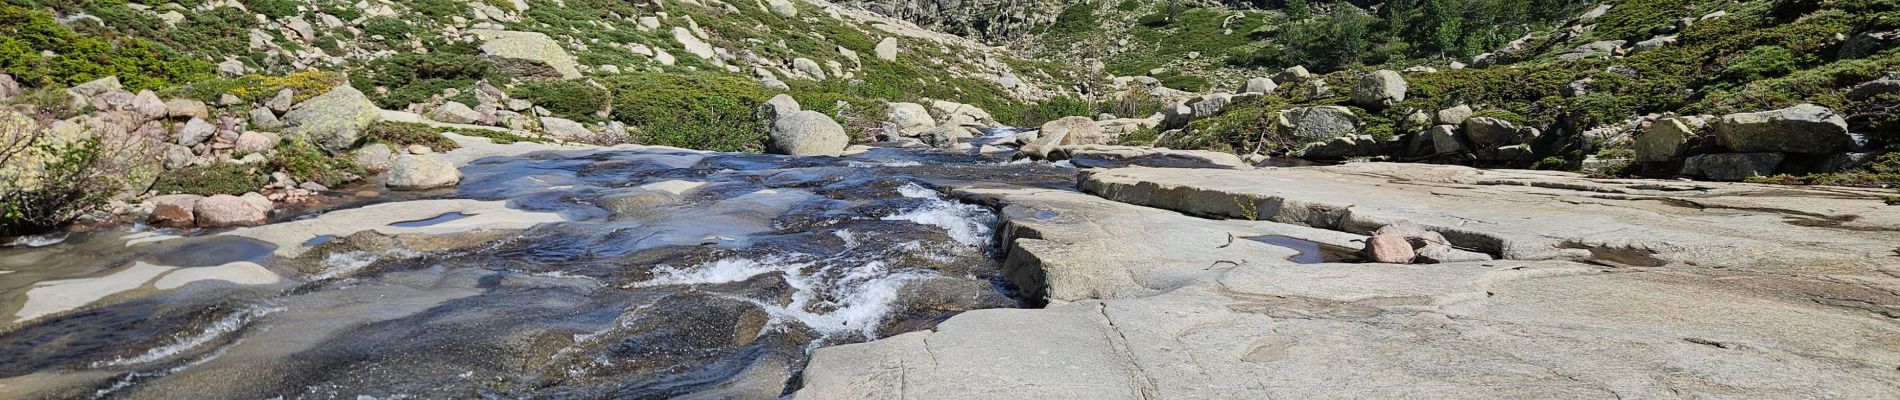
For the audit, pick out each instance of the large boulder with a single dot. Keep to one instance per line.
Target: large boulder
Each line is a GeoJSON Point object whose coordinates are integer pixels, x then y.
{"type": "Point", "coordinates": [527, 54]}
{"type": "Point", "coordinates": [1732, 166]}
{"type": "Point", "coordinates": [1488, 132]}
{"type": "Point", "coordinates": [807, 133]}
{"type": "Point", "coordinates": [1664, 141]}
{"type": "Point", "coordinates": [910, 118]}
{"type": "Point", "coordinates": [254, 142]}
{"type": "Point", "coordinates": [335, 120]}
{"type": "Point", "coordinates": [418, 172]}
{"type": "Point", "coordinates": [1292, 74]}
{"type": "Point", "coordinates": [1072, 131]}
{"type": "Point", "coordinates": [1804, 128]}
{"type": "Point", "coordinates": [225, 211]}
{"type": "Point", "coordinates": [1380, 89]}
{"type": "Point", "coordinates": [1311, 124]}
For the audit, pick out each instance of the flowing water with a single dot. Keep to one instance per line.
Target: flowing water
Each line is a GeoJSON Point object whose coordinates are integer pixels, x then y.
{"type": "Point", "coordinates": [671, 274]}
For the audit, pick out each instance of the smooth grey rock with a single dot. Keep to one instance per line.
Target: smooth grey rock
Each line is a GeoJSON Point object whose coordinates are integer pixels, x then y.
{"type": "Point", "coordinates": [225, 211]}
{"type": "Point", "coordinates": [375, 157]}
{"type": "Point", "coordinates": [195, 131]}
{"type": "Point", "coordinates": [1804, 128]}
{"type": "Point", "coordinates": [455, 113]}
{"type": "Point", "coordinates": [809, 68]}
{"type": "Point", "coordinates": [886, 49]}
{"type": "Point", "coordinates": [1732, 166]}
{"type": "Point", "coordinates": [1105, 156]}
{"type": "Point", "coordinates": [807, 133]}
{"type": "Point", "coordinates": [781, 104]}
{"type": "Point", "coordinates": [527, 54]}
{"type": "Point", "coordinates": [1452, 116]}
{"type": "Point", "coordinates": [910, 118]}
{"type": "Point", "coordinates": [187, 108]}
{"type": "Point", "coordinates": [565, 129]}
{"type": "Point", "coordinates": [418, 172]}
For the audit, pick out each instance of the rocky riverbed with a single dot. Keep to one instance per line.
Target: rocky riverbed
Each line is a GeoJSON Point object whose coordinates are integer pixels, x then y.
{"type": "Point", "coordinates": [892, 272]}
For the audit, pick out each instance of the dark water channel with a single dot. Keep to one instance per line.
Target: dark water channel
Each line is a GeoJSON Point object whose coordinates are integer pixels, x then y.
{"type": "Point", "coordinates": [677, 274]}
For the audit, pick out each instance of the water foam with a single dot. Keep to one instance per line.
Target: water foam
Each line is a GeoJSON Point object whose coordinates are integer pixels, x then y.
{"type": "Point", "coordinates": [227, 324]}
{"type": "Point", "coordinates": [835, 299]}
{"type": "Point", "coordinates": [968, 224]}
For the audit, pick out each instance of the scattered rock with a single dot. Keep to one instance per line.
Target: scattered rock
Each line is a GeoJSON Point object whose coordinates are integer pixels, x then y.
{"type": "Point", "coordinates": [1454, 116]}
{"type": "Point", "coordinates": [809, 68]}
{"type": "Point", "coordinates": [375, 157]}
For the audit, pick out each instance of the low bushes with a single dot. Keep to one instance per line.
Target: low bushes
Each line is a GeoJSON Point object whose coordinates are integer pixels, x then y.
{"type": "Point", "coordinates": [46, 185]}
{"type": "Point", "coordinates": [306, 162]}
{"type": "Point", "coordinates": [206, 180]}
{"type": "Point", "coordinates": [404, 134]}
{"type": "Point", "coordinates": [708, 111]}
{"type": "Point", "coordinates": [576, 99]}
{"type": "Point", "coordinates": [139, 64]}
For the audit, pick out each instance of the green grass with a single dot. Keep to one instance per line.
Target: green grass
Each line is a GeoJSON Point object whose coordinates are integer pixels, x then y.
{"type": "Point", "coordinates": [403, 134]}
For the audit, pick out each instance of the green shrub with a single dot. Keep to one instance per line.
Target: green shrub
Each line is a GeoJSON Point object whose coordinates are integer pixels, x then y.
{"type": "Point", "coordinates": [305, 161]}
{"type": "Point", "coordinates": [415, 77]}
{"type": "Point", "coordinates": [206, 180]}
{"type": "Point", "coordinates": [1055, 108]}
{"type": "Point", "coordinates": [1762, 62]}
{"type": "Point", "coordinates": [255, 88]}
{"type": "Point", "coordinates": [404, 134]}
{"type": "Point", "coordinates": [579, 100]}
{"type": "Point", "coordinates": [710, 112]}
{"type": "Point", "coordinates": [139, 64]}
{"type": "Point", "coordinates": [273, 8]}
{"type": "Point", "coordinates": [67, 181]}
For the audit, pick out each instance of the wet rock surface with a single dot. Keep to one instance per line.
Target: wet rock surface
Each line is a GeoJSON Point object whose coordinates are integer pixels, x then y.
{"type": "Point", "coordinates": [522, 282]}
{"type": "Point", "coordinates": [647, 272]}
{"type": "Point", "coordinates": [1599, 289]}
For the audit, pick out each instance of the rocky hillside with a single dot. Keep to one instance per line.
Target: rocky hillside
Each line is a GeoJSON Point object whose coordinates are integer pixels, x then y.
{"type": "Point", "coordinates": [289, 98]}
